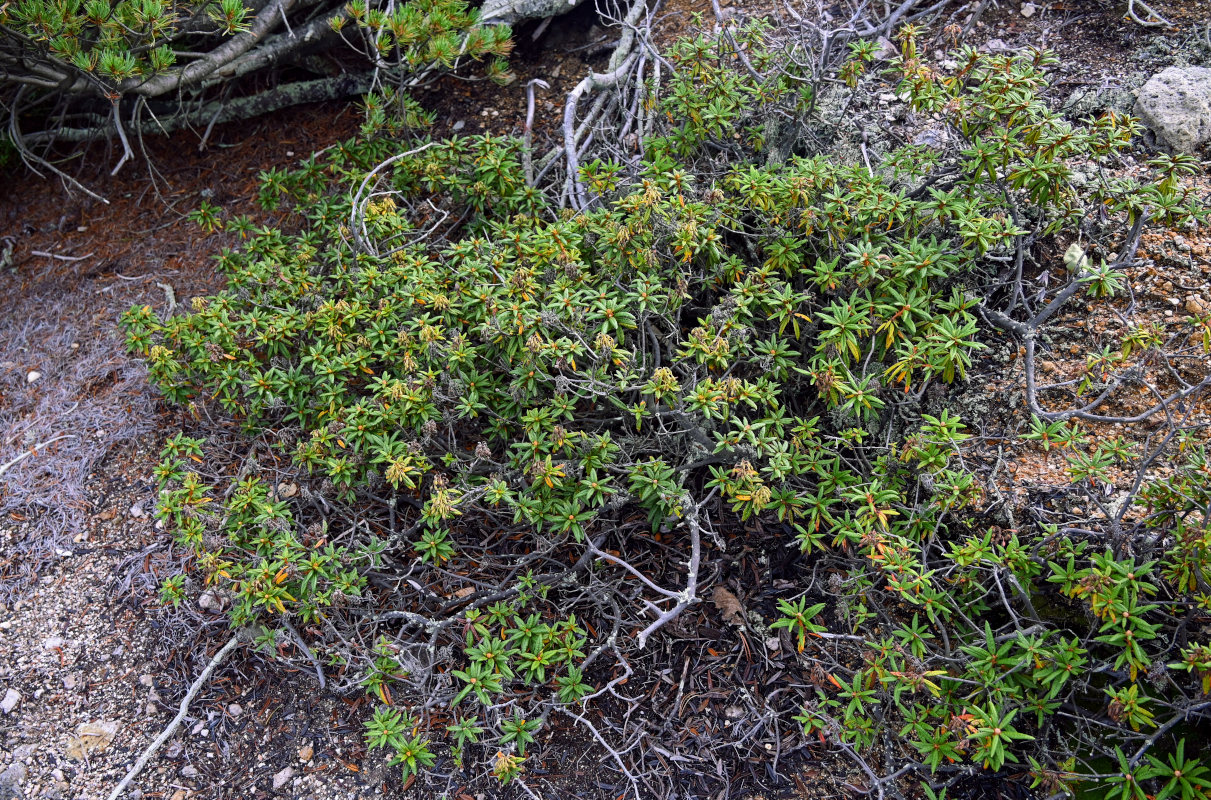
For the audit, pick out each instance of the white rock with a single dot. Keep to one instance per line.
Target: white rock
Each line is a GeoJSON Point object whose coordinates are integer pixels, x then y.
{"type": "Point", "coordinates": [1028, 10]}
{"type": "Point", "coordinates": [137, 511]}
{"type": "Point", "coordinates": [11, 698]}
{"type": "Point", "coordinates": [235, 709]}
{"type": "Point", "coordinates": [52, 643]}
{"type": "Point", "coordinates": [1176, 105]}
{"type": "Point", "coordinates": [32, 376]}
{"type": "Point", "coordinates": [189, 771]}
{"type": "Point", "coordinates": [279, 780]}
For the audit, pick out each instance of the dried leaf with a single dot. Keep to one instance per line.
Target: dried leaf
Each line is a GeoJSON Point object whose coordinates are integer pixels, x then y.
{"type": "Point", "coordinates": [729, 605]}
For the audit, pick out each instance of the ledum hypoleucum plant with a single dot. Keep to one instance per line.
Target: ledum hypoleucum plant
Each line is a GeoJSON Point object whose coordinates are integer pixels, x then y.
{"type": "Point", "coordinates": [760, 340]}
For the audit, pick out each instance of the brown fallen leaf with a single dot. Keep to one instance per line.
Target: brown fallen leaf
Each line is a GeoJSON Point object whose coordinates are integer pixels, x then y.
{"type": "Point", "coordinates": [729, 605]}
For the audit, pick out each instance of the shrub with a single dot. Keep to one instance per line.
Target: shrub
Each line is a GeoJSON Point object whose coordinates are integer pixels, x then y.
{"type": "Point", "coordinates": [718, 339]}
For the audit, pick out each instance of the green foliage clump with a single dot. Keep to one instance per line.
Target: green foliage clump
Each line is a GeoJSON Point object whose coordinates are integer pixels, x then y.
{"type": "Point", "coordinates": [716, 333]}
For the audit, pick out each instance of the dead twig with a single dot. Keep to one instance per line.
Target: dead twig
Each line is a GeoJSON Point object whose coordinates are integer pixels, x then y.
{"type": "Point", "coordinates": [176, 721]}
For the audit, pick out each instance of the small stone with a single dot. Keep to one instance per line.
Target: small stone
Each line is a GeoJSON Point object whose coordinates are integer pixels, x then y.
{"type": "Point", "coordinates": [286, 490]}
{"type": "Point", "coordinates": [1028, 10]}
{"type": "Point", "coordinates": [137, 511]}
{"type": "Point", "coordinates": [1196, 306]}
{"type": "Point", "coordinates": [52, 643]}
{"type": "Point", "coordinates": [458, 126]}
{"type": "Point", "coordinates": [211, 601]}
{"type": "Point", "coordinates": [179, 794]}
{"type": "Point", "coordinates": [147, 680]}
{"type": "Point", "coordinates": [279, 780]}
{"type": "Point", "coordinates": [58, 775]}
{"type": "Point", "coordinates": [32, 376]}
{"type": "Point", "coordinates": [11, 780]}
{"type": "Point", "coordinates": [773, 644]}
{"type": "Point", "coordinates": [70, 682]}
{"type": "Point", "coordinates": [189, 771]}
{"type": "Point", "coordinates": [306, 752]}
{"type": "Point", "coordinates": [235, 709]}
{"type": "Point", "coordinates": [11, 698]}
{"type": "Point", "coordinates": [887, 49]}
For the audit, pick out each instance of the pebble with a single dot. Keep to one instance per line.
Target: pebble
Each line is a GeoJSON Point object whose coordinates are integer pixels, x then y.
{"type": "Point", "coordinates": [137, 511]}
{"type": "Point", "coordinates": [52, 643]}
{"type": "Point", "coordinates": [210, 601]}
{"type": "Point", "coordinates": [1196, 306]}
{"type": "Point", "coordinates": [12, 778]}
{"type": "Point", "coordinates": [279, 780]}
{"type": "Point", "coordinates": [32, 376]}
{"type": "Point", "coordinates": [306, 752]}
{"type": "Point", "coordinates": [189, 771]}
{"type": "Point", "coordinates": [1029, 9]}
{"type": "Point", "coordinates": [235, 709]}
{"type": "Point", "coordinates": [11, 698]}
{"type": "Point", "coordinates": [70, 682]}
{"type": "Point", "coordinates": [147, 680]}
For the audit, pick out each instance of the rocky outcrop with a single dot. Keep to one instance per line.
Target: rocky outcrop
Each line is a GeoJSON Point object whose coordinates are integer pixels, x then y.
{"type": "Point", "coordinates": [1176, 105]}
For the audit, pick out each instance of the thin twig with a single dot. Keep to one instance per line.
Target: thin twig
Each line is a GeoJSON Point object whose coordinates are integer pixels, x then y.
{"type": "Point", "coordinates": [44, 254]}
